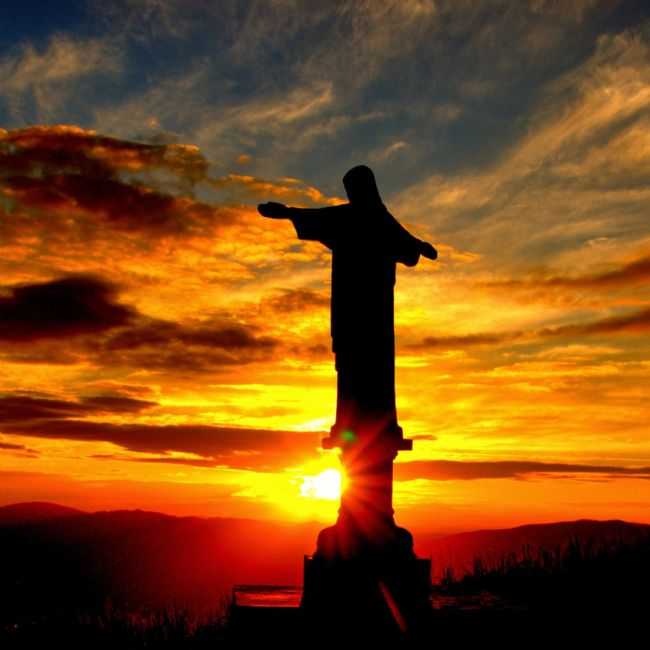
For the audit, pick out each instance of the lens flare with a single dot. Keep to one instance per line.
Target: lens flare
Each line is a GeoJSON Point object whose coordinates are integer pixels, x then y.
{"type": "Point", "coordinates": [326, 485]}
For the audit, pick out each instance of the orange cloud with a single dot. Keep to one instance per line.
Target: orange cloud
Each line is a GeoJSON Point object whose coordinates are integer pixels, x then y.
{"type": "Point", "coordinates": [287, 189]}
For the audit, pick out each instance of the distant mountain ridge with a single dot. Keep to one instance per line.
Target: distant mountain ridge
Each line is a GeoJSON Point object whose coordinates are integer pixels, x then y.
{"type": "Point", "coordinates": [33, 511]}
{"type": "Point", "coordinates": [51, 553]}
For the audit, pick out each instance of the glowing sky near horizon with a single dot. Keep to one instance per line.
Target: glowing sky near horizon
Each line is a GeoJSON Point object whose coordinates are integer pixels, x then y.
{"type": "Point", "coordinates": [162, 346]}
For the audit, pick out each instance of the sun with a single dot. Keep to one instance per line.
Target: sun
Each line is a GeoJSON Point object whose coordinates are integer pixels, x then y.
{"type": "Point", "coordinates": [326, 485]}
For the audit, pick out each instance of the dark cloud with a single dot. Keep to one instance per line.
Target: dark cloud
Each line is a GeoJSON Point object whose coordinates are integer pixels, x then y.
{"type": "Point", "coordinates": [255, 449]}
{"type": "Point", "coordinates": [18, 450]}
{"type": "Point", "coordinates": [26, 408]}
{"type": "Point", "coordinates": [67, 306]}
{"type": "Point", "coordinates": [318, 351]}
{"type": "Point", "coordinates": [637, 322]}
{"type": "Point", "coordinates": [121, 204]}
{"type": "Point", "coordinates": [159, 332]}
{"type": "Point", "coordinates": [167, 346]}
{"type": "Point", "coordinates": [85, 304]}
{"type": "Point", "coordinates": [125, 206]}
{"type": "Point", "coordinates": [243, 448]}
{"type": "Point", "coordinates": [70, 149]}
{"type": "Point", "coordinates": [450, 470]}
{"type": "Point", "coordinates": [286, 301]}
{"type": "Point", "coordinates": [632, 274]}
{"type": "Point", "coordinates": [164, 460]}
{"type": "Point", "coordinates": [66, 170]}
{"type": "Point", "coordinates": [466, 340]}
{"type": "Point", "coordinates": [8, 446]}
{"type": "Point", "coordinates": [116, 404]}
{"type": "Point", "coordinates": [39, 353]}
{"type": "Point", "coordinates": [120, 389]}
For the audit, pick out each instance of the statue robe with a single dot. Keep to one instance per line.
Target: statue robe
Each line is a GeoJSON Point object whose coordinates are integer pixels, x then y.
{"type": "Point", "coordinates": [366, 242]}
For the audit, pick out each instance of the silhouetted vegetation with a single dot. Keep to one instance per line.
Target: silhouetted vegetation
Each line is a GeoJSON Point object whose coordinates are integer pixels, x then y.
{"type": "Point", "coordinates": [590, 566]}
{"type": "Point", "coordinates": [114, 628]}
{"type": "Point", "coordinates": [585, 588]}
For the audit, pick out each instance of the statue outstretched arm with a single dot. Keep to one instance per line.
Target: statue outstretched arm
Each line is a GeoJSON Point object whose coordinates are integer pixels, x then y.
{"type": "Point", "coordinates": [280, 211]}
{"type": "Point", "coordinates": [409, 248]}
{"type": "Point", "coordinates": [274, 210]}
{"type": "Point", "coordinates": [315, 224]}
{"type": "Point", "coordinates": [427, 250]}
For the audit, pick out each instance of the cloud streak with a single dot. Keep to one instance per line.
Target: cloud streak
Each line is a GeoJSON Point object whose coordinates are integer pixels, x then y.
{"type": "Point", "coordinates": [633, 323]}
{"type": "Point", "coordinates": [216, 446]}
{"type": "Point", "coordinates": [631, 274]}
{"type": "Point", "coordinates": [28, 408]}
{"type": "Point", "coordinates": [449, 470]}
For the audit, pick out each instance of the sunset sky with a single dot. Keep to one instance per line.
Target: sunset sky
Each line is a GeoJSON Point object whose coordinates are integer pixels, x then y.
{"type": "Point", "coordinates": [164, 347]}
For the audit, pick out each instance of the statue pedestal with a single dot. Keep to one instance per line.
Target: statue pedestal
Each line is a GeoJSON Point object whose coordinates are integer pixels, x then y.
{"type": "Point", "coordinates": [365, 575]}
{"type": "Point", "coordinates": [389, 598]}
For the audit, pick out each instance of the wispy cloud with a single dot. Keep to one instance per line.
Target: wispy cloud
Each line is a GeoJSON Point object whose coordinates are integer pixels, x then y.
{"type": "Point", "coordinates": [62, 60]}
{"type": "Point", "coordinates": [388, 152]}
{"type": "Point", "coordinates": [38, 81]}
{"type": "Point", "coordinates": [578, 172]}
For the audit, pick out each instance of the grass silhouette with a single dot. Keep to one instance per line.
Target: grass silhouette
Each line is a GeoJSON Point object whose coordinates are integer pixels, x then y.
{"type": "Point", "coordinates": [116, 628]}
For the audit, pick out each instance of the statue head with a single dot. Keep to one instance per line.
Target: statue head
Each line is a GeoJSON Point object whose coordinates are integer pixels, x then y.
{"type": "Point", "coordinates": [361, 187]}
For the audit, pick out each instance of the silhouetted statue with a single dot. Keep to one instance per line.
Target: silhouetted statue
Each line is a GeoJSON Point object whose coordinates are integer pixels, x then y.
{"type": "Point", "coordinates": [366, 243]}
